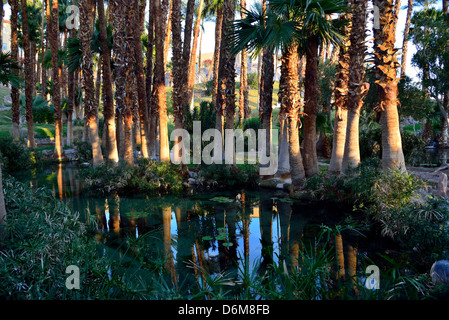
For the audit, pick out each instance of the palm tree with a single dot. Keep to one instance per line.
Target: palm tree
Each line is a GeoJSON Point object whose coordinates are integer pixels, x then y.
{"type": "Point", "coordinates": [87, 8]}
{"type": "Point", "coordinates": [340, 99]}
{"type": "Point", "coordinates": [15, 94]}
{"type": "Point", "coordinates": [284, 27]}
{"type": "Point", "coordinates": [405, 39]}
{"type": "Point", "coordinates": [318, 30]}
{"type": "Point", "coordinates": [140, 80]}
{"type": "Point", "coordinates": [387, 84]}
{"type": "Point", "coordinates": [28, 76]}
{"type": "Point", "coordinates": [225, 100]}
{"type": "Point", "coordinates": [109, 110]}
{"type": "Point", "coordinates": [244, 110]}
{"type": "Point", "coordinates": [159, 82]}
{"type": "Point", "coordinates": [356, 88]}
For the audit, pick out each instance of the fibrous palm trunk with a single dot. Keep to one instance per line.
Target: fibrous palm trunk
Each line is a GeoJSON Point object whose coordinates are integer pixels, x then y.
{"type": "Point", "coordinates": [141, 90]}
{"type": "Point", "coordinates": [405, 38]}
{"type": "Point", "coordinates": [71, 99]}
{"type": "Point", "coordinates": [216, 62]}
{"type": "Point", "coordinates": [340, 101]}
{"type": "Point", "coordinates": [159, 83]}
{"type": "Point", "coordinates": [356, 88]}
{"type": "Point", "coordinates": [387, 84]}
{"type": "Point", "coordinates": [310, 107]}
{"type": "Point", "coordinates": [87, 8]}
{"type": "Point", "coordinates": [244, 110]}
{"type": "Point", "coordinates": [28, 76]}
{"type": "Point", "coordinates": [108, 107]}
{"type": "Point", "coordinates": [15, 94]}
{"type": "Point", "coordinates": [225, 103]}
{"type": "Point", "coordinates": [291, 102]}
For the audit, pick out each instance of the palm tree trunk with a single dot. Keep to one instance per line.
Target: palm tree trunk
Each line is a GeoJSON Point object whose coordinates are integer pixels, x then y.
{"type": "Point", "coordinates": [71, 100]}
{"type": "Point", "coordinates": [149, 82]}
{"type": "Point", "coordinates": [141, 90]}
{"type": "Point", "coordinates": [340, 101]}
{"type": "Point", "coordinates": [192, 65]}
{"type": "Point", "coordinates": [405, 39]}
{"type": "Point", "coordinates": [87, 8]}
{"type": "Point", "coordinates": [291, 103]}
{"type": "Point", "coordinates": [159, 82]}
{"type": "Point", "coordinates": [266, 94]}
{"type": "Point", "coordinates": [244, 111]}
{"type": "Point", "coordinates": [28, 76]}
{"type": "Point", "coordinates": [356, 89]}
{"type": "Point", "coordinates": [310, 107]}
{"type": "Point", "coordinates": [109, 110]}
{"type": "Point", "coordinates": [226, 76]}
{"type": "Point", "coordinates": [15, 94]}
{"type": "Point", "coordinates": [387, 85]}
{"type": "Point", "coordinates": [216, 62]}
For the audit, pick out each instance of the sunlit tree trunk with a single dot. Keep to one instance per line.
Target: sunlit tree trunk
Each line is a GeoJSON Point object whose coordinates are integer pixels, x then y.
{"type": "Point", "coordinates": [291, 101]}
{"type": "Point", "coordinates": [225, 72]}
{"type": "Point", "coordinates": [356, 88]}
{"type": "Point", "coordinates": [387, 84]}
{"type": "Point", "coordinates": [108, 106]}
{"type": "Point", "coordinates": [28, 76]}
{"type": "Point", "coordinates": [244, 110]}
{"type": "Point", "coordinates": [15, 94]}
{"type": "Point", "coordinates": [149, 82]}
{"type": "Point", "coordinates": [405, 38]}
{"type": "Point", "coordinates": [141, 90]}
{"type": "Point", "coordinates": [340, 101]}
{"type": "Point", "coordinates": [216, 62]}
{"type": "Point", "coordinates": [159, 83]}
{"type": "Point", "coordinates": [192, 65]}
{"type": "Point", "coordinates": [87, 8]}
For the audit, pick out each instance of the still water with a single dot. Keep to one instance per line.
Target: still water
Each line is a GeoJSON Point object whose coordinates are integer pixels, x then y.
{"type": "Point", "coordinates": [217, 231]}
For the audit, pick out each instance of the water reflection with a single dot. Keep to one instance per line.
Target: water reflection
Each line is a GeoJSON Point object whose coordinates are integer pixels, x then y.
{"type": "Point", "coordinates": [254, 229]}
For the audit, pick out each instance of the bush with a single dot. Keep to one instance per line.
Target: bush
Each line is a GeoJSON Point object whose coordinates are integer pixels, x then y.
{"type": "Point", "coordinates": [220, 176]}
{"type": "Point", "coordinates": [84, 149]}
{"type": "Point", "coordinates": [209, 87]}
{"type": "Point", "coordinates": [146, 177]}
{"type": "Point", "coordinates": [253, 80]}
{"type": "Point", "coordinates": [14, 156]}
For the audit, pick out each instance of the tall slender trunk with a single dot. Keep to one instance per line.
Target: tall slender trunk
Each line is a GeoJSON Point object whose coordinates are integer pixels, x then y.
{"type": "Point", "coordinates": [87, 8]}
{"type": "Point", "coordinates": [56, 94]}
{"type": "Point", "coordinates": [356, 89]}
{"type": "Point", "coordinates": [192, 64]}
{"type": "Point", "coordinates": [28, 76]}
{"type": "Point", "coordinates": [291, 103]}
{"type": "Point", "coordinates": [159, 82]}
{"type": "Point", "coordinates": [405, 39]}
{"type": "Point", "coordinates": [340, 100]}
{"type": "Point", "coordinates": [108, 105]}
{"type": "Point", "coordinates": [387, 85]}
{"type": "Point", "coordinates": [2, 202]}
{"type": "Point", "coordinates": [226, 74]}
{"type": "Point", "coordinates": [149, 82]}
{"type": "Point", "coordinates": [216, 62]}
{"type": "Point", "coordinates": [244, 110]}
{"type": "Point", "coordinates": [141, 90]}
{"type": "Point", "coordinates": [310, 107]}
{"type": "Point", "coordinates": [71, 100]}
{"type": "Point", "coordinates": [119, 22]}
{"type": "Point", "coordinates": [283, 155]}
{"type": "Point", "coordinates": [15, 94]}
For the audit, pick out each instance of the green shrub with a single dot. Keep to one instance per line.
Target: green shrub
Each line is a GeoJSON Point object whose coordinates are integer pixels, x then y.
{"type": "Point", "coordinates": [209, 87]}
{"type": "Point", "coordinates": [146, 177]}
{"type": "Point", "coordinates": [253, 80]}
{"type": "Point", "coordinates": [84, 150]}
{"type": "Point", "coordinates": [14, 156]}
{"type": "Point", "coordinates": [220, 176]}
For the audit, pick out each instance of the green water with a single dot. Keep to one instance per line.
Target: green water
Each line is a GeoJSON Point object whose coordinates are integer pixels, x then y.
{"type": "Point", "coordinates": [217, 231]}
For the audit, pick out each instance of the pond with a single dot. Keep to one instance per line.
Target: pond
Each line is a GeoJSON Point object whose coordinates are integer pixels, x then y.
{"type": "Point", "coordinates": [217, 231]}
